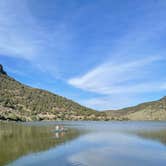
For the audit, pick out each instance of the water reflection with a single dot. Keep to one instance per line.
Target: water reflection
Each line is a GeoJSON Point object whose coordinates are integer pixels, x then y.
{"type": "Point", "coordinates": [99, 143]}
{"type": "Point", "coordinates": [17, 140]}
{"type": "Point", "coordinates": [119, 149]}
{"type": "Point", "coordinates": [159, 136]}
{"type": "Point", "coordinates": [101, 149]}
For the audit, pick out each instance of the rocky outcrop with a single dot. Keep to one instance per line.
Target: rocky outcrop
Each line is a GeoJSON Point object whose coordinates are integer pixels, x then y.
{"type": "Point", "coordinates": [2, 71]}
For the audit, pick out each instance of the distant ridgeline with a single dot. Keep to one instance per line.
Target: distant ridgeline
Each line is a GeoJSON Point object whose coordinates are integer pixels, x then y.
{"type": "Point", "coordinates": [19, 102]}
{"type": "Point", "coordinates": [155, 110]}
{"type": "Point", "coordinates": [22, 103]}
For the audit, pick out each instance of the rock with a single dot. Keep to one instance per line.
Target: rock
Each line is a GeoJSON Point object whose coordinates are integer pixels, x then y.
{"type": "Point", "coordinates": [2, 71]}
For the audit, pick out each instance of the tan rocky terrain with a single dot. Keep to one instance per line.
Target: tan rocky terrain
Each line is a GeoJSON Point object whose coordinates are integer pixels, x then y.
{"type": "Point", "coordinates": [155, 110]}
{"type": "Point", "coordinates": [21, 102]}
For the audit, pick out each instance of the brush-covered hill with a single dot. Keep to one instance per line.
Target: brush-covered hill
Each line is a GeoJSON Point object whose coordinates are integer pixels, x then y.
{"type": "Point", "coordinates": [155, 110]}
{"type": "Point", "coordinates": [21, 102]}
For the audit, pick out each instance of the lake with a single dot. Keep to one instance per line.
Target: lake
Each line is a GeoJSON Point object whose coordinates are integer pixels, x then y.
{"type": "Point", "coordinates": [84, 144]}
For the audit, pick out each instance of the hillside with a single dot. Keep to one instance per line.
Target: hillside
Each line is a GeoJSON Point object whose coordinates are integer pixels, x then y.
{"type": "Point", "coordinates": [21, 102]}
{"type": "Point", "coordinates": [155, 110]}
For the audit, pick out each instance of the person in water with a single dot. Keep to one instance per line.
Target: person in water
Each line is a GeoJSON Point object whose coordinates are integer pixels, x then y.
{"type": "Point", "coordinates": [61, 128]}
{"type": "Point", "coordinates": [57, 128]}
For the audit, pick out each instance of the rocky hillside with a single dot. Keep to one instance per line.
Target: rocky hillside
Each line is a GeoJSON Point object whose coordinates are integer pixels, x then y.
{"type": "Point", "coordinates": [21, 102]}
{"type": "Point", "coordinates": [155, 110]}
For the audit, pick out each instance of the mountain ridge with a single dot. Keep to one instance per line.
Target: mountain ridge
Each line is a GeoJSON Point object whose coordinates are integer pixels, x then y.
{"type": "Point", "coordinates": [23, 103]}
{"type": "Point", "coordinates": [152, 110]}
{"type": "Point", "coordinates": [20, 102]}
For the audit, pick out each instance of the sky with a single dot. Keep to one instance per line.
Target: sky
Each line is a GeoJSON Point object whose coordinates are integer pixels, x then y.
{"type": "Point", "coordinates": [104, 54]}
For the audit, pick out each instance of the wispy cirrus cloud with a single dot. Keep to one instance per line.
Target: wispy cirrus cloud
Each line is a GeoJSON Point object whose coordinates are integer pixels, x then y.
{"type": "Point", "coordinates": [124, 77]}
{"type": "Point", "coordinates": [25, 36]}
{"type": "Point", "coordinates": [18, 30]}
{"type": "Point", "coordinates": [121, 84]}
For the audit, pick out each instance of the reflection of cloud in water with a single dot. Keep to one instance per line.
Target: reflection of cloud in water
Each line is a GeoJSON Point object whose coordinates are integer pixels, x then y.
{"type": "Point", "coordinates": [118, 149]}
{"type": "Point", "coordinates": [106, 146]}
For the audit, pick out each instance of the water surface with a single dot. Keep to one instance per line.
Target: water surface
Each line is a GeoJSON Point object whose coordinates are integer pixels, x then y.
{"type": "Point", "coordinates": [85, 143]}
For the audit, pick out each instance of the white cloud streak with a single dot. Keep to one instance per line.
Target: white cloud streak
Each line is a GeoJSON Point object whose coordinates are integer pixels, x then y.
{"type": "Point", "coordinates": [18, 30]}
{"type": "Point", "coordinates": [122, 83]}
{"type": "Point", "coordinates": [113, 78]}
{"type": "Point", "coordinates": [23, 36]}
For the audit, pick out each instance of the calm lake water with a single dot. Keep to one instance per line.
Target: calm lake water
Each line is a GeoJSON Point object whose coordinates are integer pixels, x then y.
{"type": "Point", "coordinates": [84, 144]}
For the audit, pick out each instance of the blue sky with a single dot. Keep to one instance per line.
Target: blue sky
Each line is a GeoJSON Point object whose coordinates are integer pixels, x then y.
{"type": "Point", "coordinates": [104, 54]}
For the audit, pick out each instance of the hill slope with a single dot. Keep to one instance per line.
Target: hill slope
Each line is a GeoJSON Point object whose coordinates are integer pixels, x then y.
{"type": "Point", "coordinates": [155, 110]}
{"type": "Point", "coordinates": [21, 102]}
